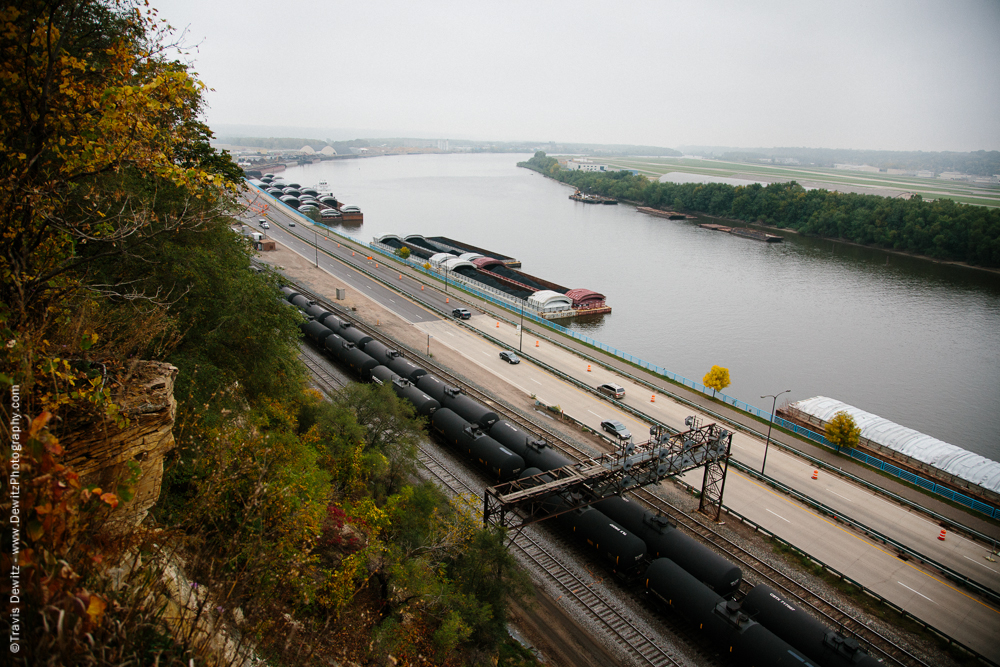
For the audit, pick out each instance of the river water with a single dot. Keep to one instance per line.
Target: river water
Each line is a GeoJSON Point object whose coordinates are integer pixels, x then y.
{"type": "Point", "coordinates": [910, 340]}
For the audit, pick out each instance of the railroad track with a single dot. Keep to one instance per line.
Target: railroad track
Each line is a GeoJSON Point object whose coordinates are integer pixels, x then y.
{"type": "Point", "coordinates": [645, 650]}
{"type": "Point", "coordinates": [327, 382]}
{"type": "Point", "coordinates": [878, 644]}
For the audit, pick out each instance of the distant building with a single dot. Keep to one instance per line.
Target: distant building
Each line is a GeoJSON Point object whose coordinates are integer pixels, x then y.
{"type": "Point", "coordinates": [583, 164]}
{"type": "Point", "coordinates": [925, 173]}
{"type": "Point", "coordinates": [328, 150]}
{"type": "Point", "coordinates": [901, 172]}
{"type": "Point", "coordinates": [953, 176]}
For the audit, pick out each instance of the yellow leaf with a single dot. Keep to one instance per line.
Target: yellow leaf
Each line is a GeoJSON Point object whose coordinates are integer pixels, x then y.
{"type": "Point", "coordinates": [96, 609]}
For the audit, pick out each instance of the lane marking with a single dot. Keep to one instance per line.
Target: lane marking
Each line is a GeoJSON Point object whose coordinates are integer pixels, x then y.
{"type": "Point", "coordinates": [779, 516]}
{"type": "Point", "coordinates": [535, 381]}
{"type": "Point", "coordinates": [917, 592]}
{"type": "Point", "coordinates": [857, 537]}
{"type": "Point", "coordinates": [594, 413]}
{"type": "Point", "coordinates": [978, 563]}
{"type": "Point", "coordinates": [840, 496]}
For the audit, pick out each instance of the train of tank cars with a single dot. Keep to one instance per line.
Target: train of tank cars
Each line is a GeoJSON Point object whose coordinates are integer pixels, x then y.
{"type": "Point", "coordinates": [763, 629]}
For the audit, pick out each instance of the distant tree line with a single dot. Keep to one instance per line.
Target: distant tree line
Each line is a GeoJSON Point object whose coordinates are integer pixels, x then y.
{"type": "Point", "coordinates": [976, 163]}
{"type": "Point", "coordinates": [941, 229]}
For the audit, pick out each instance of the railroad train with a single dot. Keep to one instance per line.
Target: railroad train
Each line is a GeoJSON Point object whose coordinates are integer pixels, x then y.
{"type": "Point", "coordinates": [698, 583]}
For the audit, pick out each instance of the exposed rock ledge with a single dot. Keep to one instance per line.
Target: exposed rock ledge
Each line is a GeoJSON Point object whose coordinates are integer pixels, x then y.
{"type": "Point", "coordinates": [100, 452]}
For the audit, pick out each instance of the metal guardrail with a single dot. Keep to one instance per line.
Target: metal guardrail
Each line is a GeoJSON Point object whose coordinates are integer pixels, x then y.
{"type": "Point", "coordinates": [871, 532]}
{"type": "Point", "coordinates": [875, 462]}
{"type": "Point", "coordinates": [843, 577]}
{"type": "Point", "coordinates": [753, 524]}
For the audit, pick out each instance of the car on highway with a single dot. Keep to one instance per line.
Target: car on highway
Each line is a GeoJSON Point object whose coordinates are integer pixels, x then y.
{"type": "Point", "coordinates": [291, 223]}
{"type": "Point", "coordinates": [263, 224]}
{"type": "Point", "coordinates": [616, 428]}
{"type": "Point", "coordinates": [611, 389]}
{"type": "Point", "coordinates": [510, 357]}
{"type": "Point", "coordinates": [461, 313]}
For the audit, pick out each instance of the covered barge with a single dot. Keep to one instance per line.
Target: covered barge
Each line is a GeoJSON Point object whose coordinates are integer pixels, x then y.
{"type": "Point", "coordinates": [545, 298]}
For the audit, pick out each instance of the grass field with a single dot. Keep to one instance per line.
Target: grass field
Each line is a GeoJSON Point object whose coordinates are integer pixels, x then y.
{"type": "Point", "coordinates": [830, 179]}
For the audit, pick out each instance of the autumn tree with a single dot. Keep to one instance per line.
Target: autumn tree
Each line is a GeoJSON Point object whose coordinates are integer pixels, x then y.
{"type": "Point", "coordinates": [101, 153]}
{"type": "Point", "coordinates": [717, 379]}
{"type": "Point", "coordinates": [842, 431]}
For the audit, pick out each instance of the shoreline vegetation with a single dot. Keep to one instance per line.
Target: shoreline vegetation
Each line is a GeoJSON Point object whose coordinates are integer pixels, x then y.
{"type": "Point", "coordinates": [942, 230]}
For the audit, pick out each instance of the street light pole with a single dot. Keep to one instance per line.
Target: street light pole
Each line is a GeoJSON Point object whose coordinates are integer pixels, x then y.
{"type": "Point", "coordinates": [316, 245]}
{"type": "Point", "coordinates": [769, 423]}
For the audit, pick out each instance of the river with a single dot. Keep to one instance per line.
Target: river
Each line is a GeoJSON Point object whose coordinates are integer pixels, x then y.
{"type": "Point", "coordinates": [910, 340]}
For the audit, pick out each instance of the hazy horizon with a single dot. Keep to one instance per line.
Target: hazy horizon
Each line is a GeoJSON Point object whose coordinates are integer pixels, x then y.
{"type": "Point", "coordinates": [898, 75]}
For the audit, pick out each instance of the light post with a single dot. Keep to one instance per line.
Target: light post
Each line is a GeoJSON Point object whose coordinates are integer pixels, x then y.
{"type": "Point", "coordinates": [316, 245]}
{"type": "Point", "coordinates": [769, 423]}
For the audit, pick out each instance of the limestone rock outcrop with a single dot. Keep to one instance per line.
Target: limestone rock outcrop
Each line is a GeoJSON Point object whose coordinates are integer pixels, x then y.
{"type": "Point", "coordinates": [100, 452]}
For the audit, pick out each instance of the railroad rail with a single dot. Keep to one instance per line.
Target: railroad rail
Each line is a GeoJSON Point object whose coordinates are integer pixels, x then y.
{"type": "Point", "coordinates": [327, 382]}
{"type": "Point", "coordinates": [598, 609]}
{"type": "Point", "coordinates": [878, 644]}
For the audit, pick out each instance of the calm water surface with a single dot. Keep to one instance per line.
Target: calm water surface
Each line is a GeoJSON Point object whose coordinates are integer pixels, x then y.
{"type": "Point", "coordinates": [909, 340]}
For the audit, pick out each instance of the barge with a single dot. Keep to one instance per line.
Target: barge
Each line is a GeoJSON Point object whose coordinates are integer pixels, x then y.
{"type": "Point", "coordinates": [745, 232]}
{"type": "Point", "coordinates": [457, 261]}
{"type": "Point", "coordinates": [912, 451]}
{"type": "Point", "coordinates": [669, 215]}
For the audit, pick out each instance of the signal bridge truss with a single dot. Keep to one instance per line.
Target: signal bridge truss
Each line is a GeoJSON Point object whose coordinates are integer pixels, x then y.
{"type": "Point", "coordinates": [521, 502]}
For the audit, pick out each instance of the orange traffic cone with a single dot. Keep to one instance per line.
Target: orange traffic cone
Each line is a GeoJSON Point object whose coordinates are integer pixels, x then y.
{"type": "Point", "coordinates": [815, 474]}
{"type": "Point", "coordinates": [498, 325]}
{"type": "Point", "coordinates": [447, 300]}
{"type": "Point", "coordinates": [421, 288]}
{"type": "Point", "coordinates": [652, 399]}
{"type": "Point", "coordinates": [400, 276]}
{"type": "Point", "coordinates": [536, 343]}
{"type": "Point", "coordinates": [941, 536]}
{"type": "Point", "coordinates": [588, 368]}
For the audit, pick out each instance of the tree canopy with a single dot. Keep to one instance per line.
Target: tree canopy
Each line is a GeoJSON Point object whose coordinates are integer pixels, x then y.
{"type": "Point", "coordinates": [716, 379]}
{"type": "Point", "coordinates": [941, 229]}
{"type": "Point", "coordinates": [843, 431]}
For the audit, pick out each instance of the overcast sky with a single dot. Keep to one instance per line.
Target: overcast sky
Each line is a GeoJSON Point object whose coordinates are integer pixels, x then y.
{"type": "Point", "coordinates": [892, 75]}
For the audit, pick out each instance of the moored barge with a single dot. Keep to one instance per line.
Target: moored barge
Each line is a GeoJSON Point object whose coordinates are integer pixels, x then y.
{"type": "Point", "coordinates": [745, 232]}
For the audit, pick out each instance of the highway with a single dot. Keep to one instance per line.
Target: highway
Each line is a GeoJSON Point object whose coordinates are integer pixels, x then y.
{"type": "Point", "coordinates": [922, 593]}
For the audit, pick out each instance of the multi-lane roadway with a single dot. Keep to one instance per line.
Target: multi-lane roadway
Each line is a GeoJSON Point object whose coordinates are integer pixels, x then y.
{"type": "Point", "coordinates": [928, 596]}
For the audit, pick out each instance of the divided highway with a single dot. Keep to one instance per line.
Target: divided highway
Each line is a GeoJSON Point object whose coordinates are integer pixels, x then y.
{"type": "Point", "coordinates": [927, 596]}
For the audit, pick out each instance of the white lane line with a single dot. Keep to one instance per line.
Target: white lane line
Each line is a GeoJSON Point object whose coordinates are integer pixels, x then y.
{"type": "Point", "coordinates": [779, 516]}
{"type": "Point", "coordinates": [449, 333]}
{"type": "Point", "coordinates": [918, 593]}
{"type": "Point", "coordinates": [594, 413]}
{"type": "Point", "coordinates": [368, 286]}
{"type": "Point", "coordinates": [487, 353]}
{"type": "Point", "coordinates": [978, 563]}
{"type": "Point", "coordinates": [535, 381]}
{"type": "Point", "coordinates": [840, 496]}
{"type": "Point", "coordinates": [393, 300]}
